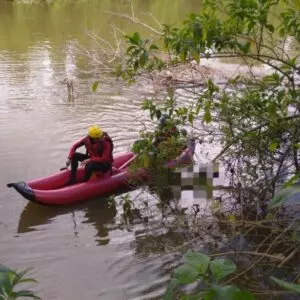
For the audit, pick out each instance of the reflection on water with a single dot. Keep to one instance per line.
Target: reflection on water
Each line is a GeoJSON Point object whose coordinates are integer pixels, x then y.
{"type": "Point", "coordinates": [100, 216]}
{"type": "Point", "coordinates": [23, 25]}
{"type": "Point", "coordinates": [98, 212]}
{"type": "Point", "coordinates": [55, 233]}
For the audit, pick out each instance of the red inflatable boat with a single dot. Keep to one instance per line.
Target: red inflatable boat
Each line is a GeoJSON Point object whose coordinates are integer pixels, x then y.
{"type": "Point", "coordinates": [53, 189]}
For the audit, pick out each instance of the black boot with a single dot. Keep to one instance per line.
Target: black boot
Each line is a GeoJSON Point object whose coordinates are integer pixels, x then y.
{"type": "Point", "coordinates": [72, 179]}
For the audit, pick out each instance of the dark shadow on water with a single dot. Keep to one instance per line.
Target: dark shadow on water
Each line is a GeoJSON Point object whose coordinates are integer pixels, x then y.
{"type": "Point", "coordinates": [97, 212]}
{"type": "Point", "coordinates": [100, 214]}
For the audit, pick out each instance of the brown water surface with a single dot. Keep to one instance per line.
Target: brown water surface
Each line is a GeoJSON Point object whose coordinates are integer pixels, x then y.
{"type": "Point", "coordinates": [82, 252]}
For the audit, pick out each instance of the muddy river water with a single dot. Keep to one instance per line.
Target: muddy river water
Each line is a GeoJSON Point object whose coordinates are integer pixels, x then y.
{"type": "Point", "coordinates": [86, 251]}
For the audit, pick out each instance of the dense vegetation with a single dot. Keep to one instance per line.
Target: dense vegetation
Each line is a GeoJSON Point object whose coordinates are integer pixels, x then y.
{"type": "Point", "coordinates": [256, 119]}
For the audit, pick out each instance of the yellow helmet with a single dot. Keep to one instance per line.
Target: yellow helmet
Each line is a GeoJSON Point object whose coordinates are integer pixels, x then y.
{"type": "Point", "coordinates": [95, 132]}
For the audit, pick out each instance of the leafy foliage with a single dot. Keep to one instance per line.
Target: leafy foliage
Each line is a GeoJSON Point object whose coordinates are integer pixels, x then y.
{"type": "Point", "coordinates": [209, 273]}
{"type": "Point", "coordinates": [127, 204]}
{"type": "Point", "coordinates": [258, 118]}
{"type": "Point", "coordinates": [9, 282]}
{"type": "Point", "coordinates": [200, 268]}
{"type": "Point", "coordinates": [198, 261]}
{"type": "Point", "coordinates": [221, 268]}
{"type": "Point", "coordinates": [158, 147]}
{"type": "Point", "coordinates": [139, 56]}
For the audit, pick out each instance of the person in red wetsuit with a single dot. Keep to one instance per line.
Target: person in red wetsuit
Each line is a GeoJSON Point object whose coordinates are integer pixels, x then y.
{"type": "Point", "coordinates": [98, 157]}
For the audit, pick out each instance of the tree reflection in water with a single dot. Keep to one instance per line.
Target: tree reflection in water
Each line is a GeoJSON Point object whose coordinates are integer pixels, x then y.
{"type": "Point", "coordinates": [178, 224]}
{"type": "Point", "coordinates": [169, 225]}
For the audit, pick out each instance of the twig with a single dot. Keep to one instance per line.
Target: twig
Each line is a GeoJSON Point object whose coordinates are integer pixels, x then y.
{"type": "Point", "coordinates": [236, 140]}
{"type": "Point", "coordinates": [156, 21]}
{"type": "Point", "coordinates": [261, 257]}
{"type": "Point", "coordinates": [272, 292]}
{"type": "Point", "coordinates": [135, 20]}
{"type": "Point", "coordinates": [247, 253]}
{"type": "Point", "coordinates": [289, 257]}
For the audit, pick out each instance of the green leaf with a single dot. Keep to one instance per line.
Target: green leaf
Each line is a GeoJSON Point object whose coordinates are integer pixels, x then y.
{"type": "Point", "coordinates": [144, 59]}
{"type": "Point", "coordinates": [197, 296]}
{"type": "Point", "coordinates": [272, 79]}
{"type": "Point", "coordinates": [191, 118]}
{"type": "Point", "coordinates": [195, 55]}
{"type": "Point", "coordinates": [153, 47]}
{"type": "Point", "coordinates": [95, 86]}
{"type": "Point", "coordinates": [4, 274]}
{"type": "Point", "coordinates": [26, 280]}
{"type": "Point", "coordinates": [231, 218]}
{"type": "Point", "coordinates": [207, 116]}
{"type": "Point", "coordinates": [285, 67]}
{"type": "Point", "coordinates": [282, 196]}
{"type": "Point", "coordinates": [289, 286]}
{"type": "Point", "coordinates": [247, 47]}
{"type": "Point", "coordinates": [135, 38]}
{"type": "Point", "coordinates": [231, 292]}
{"type": "Point", "coordinates": [170, 289]}
{"type": "Point", "coordinates": [183, 55]}
{"type": "Point", "coordinates": [198, 261]}
{"type": "Point", "coordinates": [292, 180]}
{"type": "Point", "coordinates": [5, 280]}
{"type": "Point", "coordinates": [136, 65]}
{"type": "Point", "coordinates": [295, 236]}
{"type": "Point", "coordinates": [234, 80]}
{"type": "Point", "coordinates": [245, 295]}
{"type": "Point", "coordinates": [186, 274]}
{"type": "Point", "coordinates": [158, 114]}
{"type": "Point", "coordinates": [273, 146]}
{"type": "Point", "coordinates": [293, 61]}
{"type": "Point", "coordinates": [270, 217]}
{"type": "Point", "coordinates": [244, 47]}
{"type": "Point", "coordinates": [210, 295]}
{"type": "Point", "coordinates": [146, 160]}
{"type": "Point", "coordinates": [25, 293]}
{"type": "Point", "coordinates": [272, 113]}
{"type": "Point", "coordinates": [11, 276]}
{"type": "Point", "coordinates": [270, 27]}
{"type": "Point", "coordinates": [221, 268]}
{"type": "Point", "coordinates": [282, 32]}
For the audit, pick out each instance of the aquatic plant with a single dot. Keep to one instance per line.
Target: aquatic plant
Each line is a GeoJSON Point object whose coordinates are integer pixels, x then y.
{"type": "Point", "coordinates": [10, 281]}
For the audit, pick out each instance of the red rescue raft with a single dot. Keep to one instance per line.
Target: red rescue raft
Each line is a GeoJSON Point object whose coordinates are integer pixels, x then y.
{"type": "Point", "coordinates": [53, 189]}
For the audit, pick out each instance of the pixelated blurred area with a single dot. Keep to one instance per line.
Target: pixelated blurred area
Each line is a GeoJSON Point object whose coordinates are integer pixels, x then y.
{"type": "Point", "coordinates": [197, 178]}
